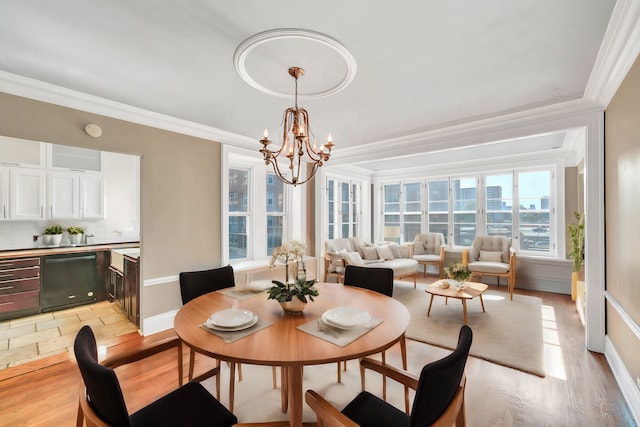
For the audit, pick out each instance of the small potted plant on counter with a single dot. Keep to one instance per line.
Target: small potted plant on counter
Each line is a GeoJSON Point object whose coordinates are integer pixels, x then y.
{"type": "Point", "coordinates": [53, 235]}
{"type": "Point", "coordinates": [75, 235]}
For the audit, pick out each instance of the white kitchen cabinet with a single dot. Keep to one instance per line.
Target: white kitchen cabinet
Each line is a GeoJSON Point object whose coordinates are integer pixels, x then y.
{"type": "Point", "coordinates": [22, 152]}
{"type": "Point", "coordinates": [91, 196]}
{"type": "Point", "coordinates": [4, 193]}
{"type": "Point", "coordinates": [64, 157]}
{"type": "Point", "coordinates": [75, 195]}
{"type": "Point", "coordinates": [26, 194]}
{"type": "Point", "coordinates": [62, 195]}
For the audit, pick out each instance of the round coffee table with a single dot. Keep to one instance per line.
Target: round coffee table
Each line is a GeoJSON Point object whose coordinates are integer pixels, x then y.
{"type": "Point", "coordinates": [470, 291]}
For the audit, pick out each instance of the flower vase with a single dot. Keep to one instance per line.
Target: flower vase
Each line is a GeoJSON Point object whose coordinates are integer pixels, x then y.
{"type": "Point", "coordinates": [295, 306]}
{"type": "Point", "coordinates": [458, 284]}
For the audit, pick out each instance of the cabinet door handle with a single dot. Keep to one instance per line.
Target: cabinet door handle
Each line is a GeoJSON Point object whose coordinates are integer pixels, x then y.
{"type": "Point", "coordinates": [6, 303]}
{"type": "Point", "coordinates": [71, 296]}
{"type": "Point", "coordinates": [4, 288]}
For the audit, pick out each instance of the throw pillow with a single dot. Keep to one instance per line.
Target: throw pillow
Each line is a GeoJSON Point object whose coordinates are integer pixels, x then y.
{"type": "Point", "coordinates": [395, 250]}
{"type": "Point", "coordinates": [370, 253]}
{"type": "Point", "coordinates": [384, 252]}
{"type": "Point", "coordinates": [490, 256]}
{"type": "Point", "coordinates": [353, 258]}
{"type": "Point", "coordinates": [419, 248]}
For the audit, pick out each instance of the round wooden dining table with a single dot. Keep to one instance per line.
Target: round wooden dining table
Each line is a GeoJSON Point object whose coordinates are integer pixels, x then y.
{"type": "Point", "coordinates": [282, 344]}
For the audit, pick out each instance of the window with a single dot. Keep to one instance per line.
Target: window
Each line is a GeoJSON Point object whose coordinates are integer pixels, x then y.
{"type": "Point", "coordinates": [438, 207]}
{"type": "Point", "coordinates": [499, 205]}
{"type": "Point", "coordinates": [238, 213]}
{"type": "Point", "coordinates": [516, 204]}
{"type": "Point", "coordinates": [343, 208]}
{"type": "Point", "coordinates": [275, 212]}
{"type": "Point", "coordinates": [464, 211]}
{"type": "Point", "coordinates": [534, 189]}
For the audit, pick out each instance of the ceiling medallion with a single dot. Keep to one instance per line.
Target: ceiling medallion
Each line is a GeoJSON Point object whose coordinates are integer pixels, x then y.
{"type": "Point", "coordinates": [293, 34]}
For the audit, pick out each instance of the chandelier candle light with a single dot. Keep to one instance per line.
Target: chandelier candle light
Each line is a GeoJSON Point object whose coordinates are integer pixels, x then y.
{"type": "Point", "coordinates": [296, 144]}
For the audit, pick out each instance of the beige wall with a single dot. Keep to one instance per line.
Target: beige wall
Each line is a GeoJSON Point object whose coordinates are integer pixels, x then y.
{"type": "Point", "coordinates": [622, 208]}
{"type": "Point", "coordinates": [180, 186]}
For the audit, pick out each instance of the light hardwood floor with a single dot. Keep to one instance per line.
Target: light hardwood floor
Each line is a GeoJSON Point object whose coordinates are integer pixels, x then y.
{"type": "Point", "coordinates": [579, 389]}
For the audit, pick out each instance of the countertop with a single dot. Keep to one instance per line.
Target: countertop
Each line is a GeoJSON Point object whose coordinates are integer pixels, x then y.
{"type": "Point", "coordinates": [47, 250]}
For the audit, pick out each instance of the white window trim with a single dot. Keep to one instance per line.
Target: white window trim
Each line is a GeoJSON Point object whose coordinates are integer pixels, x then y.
{"type": "Point", "coordinates": [295, 225]}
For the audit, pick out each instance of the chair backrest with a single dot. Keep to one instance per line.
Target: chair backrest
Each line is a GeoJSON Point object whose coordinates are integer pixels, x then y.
{"type": "Point", "coordinates": [196, 283]}
{"type": "Point", "coordinates": [372, 278]}
{"type": "Point", "coordinates": [439, 382]}
{"type": "Point", "coordinates": [103, 388]}
{"type": "Point", "coordinates": [490, 244]}
{"type": "Point", "coordinates": [427, 243]}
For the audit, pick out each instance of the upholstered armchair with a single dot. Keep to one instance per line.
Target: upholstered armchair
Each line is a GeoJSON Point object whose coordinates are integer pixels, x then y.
{"type": "Point", "coordinates": [428, 248]}
{"type": "Point", "coordinates": [492, 256]}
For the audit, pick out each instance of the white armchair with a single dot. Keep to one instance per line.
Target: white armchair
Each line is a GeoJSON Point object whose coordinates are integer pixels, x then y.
{"type": "Point", "coordinates": [428, 248]}
{"type": "Point", "coordinates": [492, 256]}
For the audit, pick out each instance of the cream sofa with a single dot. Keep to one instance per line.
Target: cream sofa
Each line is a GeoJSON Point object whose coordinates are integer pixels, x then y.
{"type": "Point", "coordinates": [354, 250]}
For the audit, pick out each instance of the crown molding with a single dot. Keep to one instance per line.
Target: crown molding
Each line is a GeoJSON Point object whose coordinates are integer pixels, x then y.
{"type": "Point", "coordinates": [552, 118]}
{"type": "Point", "coordinates": [619, 49]}
{"type": "Point", "coordinates": [40, 91]}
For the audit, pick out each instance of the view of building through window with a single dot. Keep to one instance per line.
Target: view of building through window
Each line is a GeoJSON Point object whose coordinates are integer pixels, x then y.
{"type": "Point", "coordinates": [238, 212]}
{"type": "Point", "coordinates": [275, 212]}
{"type": "Point", "coordinates": [463, 207]}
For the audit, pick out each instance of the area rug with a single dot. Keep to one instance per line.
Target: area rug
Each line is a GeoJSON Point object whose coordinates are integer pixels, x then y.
{"type": "Point", "coordinates": [509, 333]}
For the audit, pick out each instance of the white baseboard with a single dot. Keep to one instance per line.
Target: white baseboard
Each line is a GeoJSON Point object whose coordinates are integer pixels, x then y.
{"type": "Point", "coordinates": [158, 323]}
{"type": "Point", "coordinates": [627, 385]}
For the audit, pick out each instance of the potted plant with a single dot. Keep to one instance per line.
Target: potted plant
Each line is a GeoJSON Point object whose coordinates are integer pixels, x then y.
{"type": "Point", "coordinates": [53, 235]}
{"type": "Point", "coordinates": [292, 296]}
{"type": "Point", "coordinates": [75, 235]}
{"type": "Point", "coordinates": [576, 250]}
{"type": "Point", "coordinates": [458, 273]}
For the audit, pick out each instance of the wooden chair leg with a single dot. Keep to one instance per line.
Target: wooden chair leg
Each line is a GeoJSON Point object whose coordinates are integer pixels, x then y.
{"type": "Point", "coordinates": [384, 378]}
{"type": "Point", "coordinates": [273, 375]}
{"type": "Point", "coordinates": [192, 359]}
{"type": "Point", "coordinates": [232, 385]}
{"type": "Point", "coordinates": [80, 416]}
{"type": "Point", "coordinates": [239, 371]}
{"type": "Point", "coordinates": [339, 373]}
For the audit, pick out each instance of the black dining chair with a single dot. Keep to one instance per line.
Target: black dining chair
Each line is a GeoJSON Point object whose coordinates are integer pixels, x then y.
{"type": "Point", "coordinates": [101, 401]}
{"type": "Point", "coordinates": [197, 283]}
{"type": "Point", "coordinates": [438, 401]}
{"type": "Point", "coordinates": [378, 280]}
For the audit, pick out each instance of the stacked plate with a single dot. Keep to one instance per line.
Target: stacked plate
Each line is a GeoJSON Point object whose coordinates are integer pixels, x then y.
{"type": "Point", "coordinates": [346, 317]}
{"type": "Point", "coordinates": [232, 319]}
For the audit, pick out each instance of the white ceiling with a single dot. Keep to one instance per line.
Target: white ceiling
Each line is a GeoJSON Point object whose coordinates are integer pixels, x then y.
{"type": "Point", "coordinates": [421, 65]}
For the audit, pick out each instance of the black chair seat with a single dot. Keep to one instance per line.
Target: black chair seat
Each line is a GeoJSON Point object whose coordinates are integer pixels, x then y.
{"type": "Point", "coordinates": [370, 411]}
{"type": "Point", "coordinates": [190, 405]}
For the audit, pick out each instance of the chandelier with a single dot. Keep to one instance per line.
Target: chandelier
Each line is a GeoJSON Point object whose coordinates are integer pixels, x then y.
{"type": "Point", "coordinates": [296, 145]}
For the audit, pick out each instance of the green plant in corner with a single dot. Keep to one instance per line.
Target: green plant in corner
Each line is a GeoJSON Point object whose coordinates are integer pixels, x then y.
{"type": "Point", "coordinates": [576, 241]}
{"type": "Point", "coordinates": [75, 230]}
{"type": "Point", "coordinates": [54, 229]}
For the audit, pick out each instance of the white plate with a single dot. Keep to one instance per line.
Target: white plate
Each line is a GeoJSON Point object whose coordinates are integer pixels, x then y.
{"type": "Point", "coordinates": [231, 318]}
{"type": "Point", "coordinates": [346, 317]}
{"type": "Point", "coordinates": [210, 325]}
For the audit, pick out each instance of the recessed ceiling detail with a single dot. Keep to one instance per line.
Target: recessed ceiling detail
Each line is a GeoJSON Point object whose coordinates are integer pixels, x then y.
{"type": "Point", "coordinates": [262, 60]}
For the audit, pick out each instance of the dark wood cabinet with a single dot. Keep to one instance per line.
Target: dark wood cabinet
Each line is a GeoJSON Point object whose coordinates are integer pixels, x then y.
{"type": "Point", "coordinates": [131, 285]}
{"type": "Point", "coordinates": [19, 287]}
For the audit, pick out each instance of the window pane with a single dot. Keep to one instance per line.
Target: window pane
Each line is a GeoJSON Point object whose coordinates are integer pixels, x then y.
{"type": "Point", "coordinates": [464, 211]}
{"type": "Point", "coordinates": [392, 198]}
{"type": "Point", "coordinates": [499, 205]}
{"type": "Point", "coordinates": [275, 227]}
{"type": "Point", "coordinates": [534, 215]}
{"type": "Point", "coordinates": [237, 237]}
{"type": "Point", "coordinates": [331, 208]}
{"type": "Point", "coordinates": [412, 210]}
{"type": "Point", "coordinates": [238, 190]}
{"type": "Point", "coordinates": [439, 207]}
{"type": "Point", "coordinates": [275, 194]}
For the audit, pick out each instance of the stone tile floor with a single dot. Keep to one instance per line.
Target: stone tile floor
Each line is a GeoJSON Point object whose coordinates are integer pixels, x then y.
{"type": "Point", "coordinates": [29, 338]}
